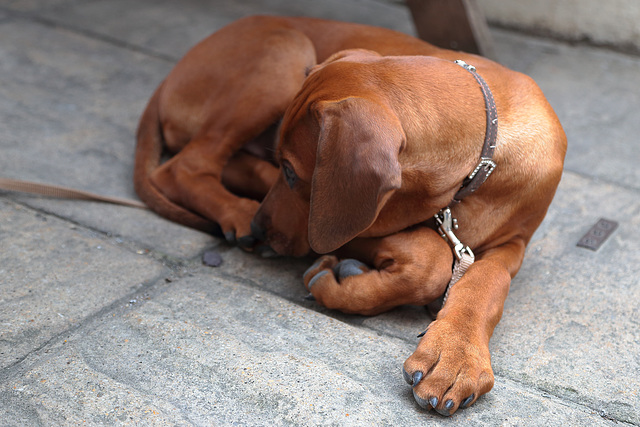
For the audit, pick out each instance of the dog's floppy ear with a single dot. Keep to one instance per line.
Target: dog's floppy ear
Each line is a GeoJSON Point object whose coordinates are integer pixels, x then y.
{"type": "Point", "coordinates": [356, 170]}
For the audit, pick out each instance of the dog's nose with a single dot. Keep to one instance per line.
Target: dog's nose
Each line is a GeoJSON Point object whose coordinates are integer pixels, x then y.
{"type": "Point", "coordinates": [257, 231]}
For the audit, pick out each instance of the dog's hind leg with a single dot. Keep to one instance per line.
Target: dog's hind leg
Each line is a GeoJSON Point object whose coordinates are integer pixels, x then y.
{"type": "Point", "coordinates": [249, 176]}
{"type": "Point", "coordinates": [226, 91]}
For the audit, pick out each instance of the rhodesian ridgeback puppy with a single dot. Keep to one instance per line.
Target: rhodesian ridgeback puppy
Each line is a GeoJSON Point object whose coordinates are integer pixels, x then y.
{"type": "Point", "coordinates": [360, 143]}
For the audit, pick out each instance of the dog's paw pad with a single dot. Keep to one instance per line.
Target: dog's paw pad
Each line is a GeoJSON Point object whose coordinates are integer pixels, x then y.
{"type": "Point", "coordinates": [422, 402]}
{"type": "Point", "coordinates": [446, 410]}
{"type": "Point", "coordinates": [349, 267]}
{"type": "Point", "coordinates": [407, 376]}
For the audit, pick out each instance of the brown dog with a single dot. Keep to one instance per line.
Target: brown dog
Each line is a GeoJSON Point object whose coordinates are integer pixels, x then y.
{"type": "Point", "coordinates": [372, 144]}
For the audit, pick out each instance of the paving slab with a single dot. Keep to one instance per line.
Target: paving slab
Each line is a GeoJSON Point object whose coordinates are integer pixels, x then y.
{"type": "Point", "coordinates": [139, 228]}
{"type": "Point", "coordinates": [170, 28]}
{"type": "Point", "coordinates": [207, 351]}
{"type": "Point", "coordinates": [53, 276]}
{"type": "Point", "coordinates": [239, 344]}
{"type": "Point", "coordinates": [571, 322]}
{"type": "Point", "coordinates": [33, 5]}
{"type": "Point", "coordinates": [69, 107]}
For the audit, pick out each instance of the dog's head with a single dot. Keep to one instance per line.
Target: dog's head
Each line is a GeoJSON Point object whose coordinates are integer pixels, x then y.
{"type": "Point", "coordinates": [338, 155]}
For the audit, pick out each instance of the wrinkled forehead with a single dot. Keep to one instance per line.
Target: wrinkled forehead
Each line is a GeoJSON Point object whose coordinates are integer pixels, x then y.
{"type": "Point", "coordinates": [298, 137]}
{"type": "Point", "coordinates": [347, 55]}
{"type": "Point", "coordinates": [344, 75]}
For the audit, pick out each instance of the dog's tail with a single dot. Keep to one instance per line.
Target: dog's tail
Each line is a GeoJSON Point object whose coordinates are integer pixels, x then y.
{"type": "Point", "coordinates": [148, 155]}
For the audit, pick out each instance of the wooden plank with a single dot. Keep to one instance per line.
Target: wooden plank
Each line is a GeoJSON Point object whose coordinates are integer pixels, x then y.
{"type": "Point", "coordinates": [453, 24]}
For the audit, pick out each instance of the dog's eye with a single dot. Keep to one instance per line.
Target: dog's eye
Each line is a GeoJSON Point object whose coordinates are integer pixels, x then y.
{"type": "Point", "coordinates": [289, 174]}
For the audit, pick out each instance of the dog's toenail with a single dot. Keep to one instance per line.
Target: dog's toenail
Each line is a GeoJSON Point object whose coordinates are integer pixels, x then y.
{"type": "Point", "coordinates": [246, 241]}
{"type": "Point", "coordinates": [230, 236]}
{"type": "Point", "coordinates": [433, 402]}
{"type": "Point", "coordinates": [465, 403]}
{"type": "Point", "coordinates": [417, 376]}
{"type": "Point", "coordinates": [310, 297]}
{"type": "Point", "coordinates": [348, 267]}
{"type": "Point", "coordinates": [315, 278]}
{"type": "Point", "coordinates": [448, 407]}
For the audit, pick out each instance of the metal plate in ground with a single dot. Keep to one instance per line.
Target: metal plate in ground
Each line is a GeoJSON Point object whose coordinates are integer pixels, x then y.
{"type": "Point", "coordinates": [597, 235]}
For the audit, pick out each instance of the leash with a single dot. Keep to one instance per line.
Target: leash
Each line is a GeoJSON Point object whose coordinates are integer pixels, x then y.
{"type": "Point", "coordinates": [446, 223]}
{"type": "Point", "coordinates": [64, 192]}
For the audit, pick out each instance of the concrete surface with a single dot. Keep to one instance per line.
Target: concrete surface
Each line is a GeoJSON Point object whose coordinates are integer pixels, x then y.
{"type": "Point", "coordinates": [613, 23]}
{"type": "Point", "coordinates": [107, 315]}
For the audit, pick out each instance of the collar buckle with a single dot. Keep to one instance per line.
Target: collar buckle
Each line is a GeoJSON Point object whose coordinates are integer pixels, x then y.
{"type": "Point", "coordinates": [487, 165]}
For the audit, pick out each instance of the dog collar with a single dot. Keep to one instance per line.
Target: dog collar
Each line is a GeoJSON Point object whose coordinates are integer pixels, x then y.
{"type": "Point", "coordinates": [486, 164]}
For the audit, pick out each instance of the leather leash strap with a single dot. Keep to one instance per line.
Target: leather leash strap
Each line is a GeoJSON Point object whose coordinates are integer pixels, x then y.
{"type": "Point", "coordinates": [64, 192]}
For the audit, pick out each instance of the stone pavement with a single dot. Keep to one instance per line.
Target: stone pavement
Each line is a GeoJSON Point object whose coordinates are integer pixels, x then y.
{"type": "Point", "coordinates": [107, 315]}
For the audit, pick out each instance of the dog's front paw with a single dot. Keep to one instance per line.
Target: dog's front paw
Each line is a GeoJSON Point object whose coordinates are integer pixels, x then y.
{"type": "Point", "coordinates": [342, 285]}
{"type": "Point", "coordinates": [323, 265]}
{"type": "Point", "coordinates": [450, 368]}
